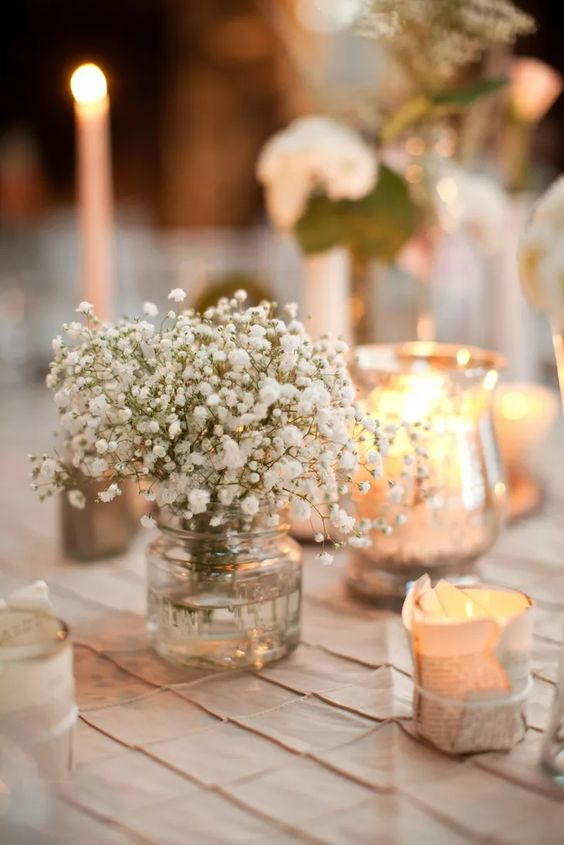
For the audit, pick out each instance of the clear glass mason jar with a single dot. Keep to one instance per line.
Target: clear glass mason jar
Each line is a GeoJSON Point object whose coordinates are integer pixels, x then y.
{"type": "Point", "coordinates": [227, 595]}
{"type": "Point", "coordinates": [440, 394]}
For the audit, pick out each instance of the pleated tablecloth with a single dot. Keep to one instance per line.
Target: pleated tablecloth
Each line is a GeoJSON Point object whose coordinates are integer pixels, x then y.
{"type": "Point", "coordinates": [318, 748]}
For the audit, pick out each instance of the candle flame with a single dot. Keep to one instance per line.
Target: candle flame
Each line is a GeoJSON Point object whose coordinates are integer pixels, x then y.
{"type": "Point", "coordinates": [88, 84]}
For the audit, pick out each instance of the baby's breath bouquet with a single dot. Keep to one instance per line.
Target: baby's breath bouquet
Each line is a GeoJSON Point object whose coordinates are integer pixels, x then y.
{"type": "Point", "coordinates": [226, 420]}
{"type": "Point", "coordinates": [229, 407]}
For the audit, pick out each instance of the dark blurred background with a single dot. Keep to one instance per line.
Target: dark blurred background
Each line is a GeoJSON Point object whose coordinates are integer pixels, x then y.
{"type": "Point", "coordinates": [196, 87]}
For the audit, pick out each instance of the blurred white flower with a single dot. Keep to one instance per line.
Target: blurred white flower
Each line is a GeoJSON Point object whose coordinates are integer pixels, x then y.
{"type": "Point", "coordinates": [541, 253]}
{"type": "Point", "coordinates": [314, 154]}
{"type": "Point", "coordinates": [109, 495]}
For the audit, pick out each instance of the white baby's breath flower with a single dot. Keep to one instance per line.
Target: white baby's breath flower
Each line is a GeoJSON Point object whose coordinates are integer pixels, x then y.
{"type": "Point", "coordinates": [359, 542]}
{"type": "Point", "coordinates": [147, 521]}
{"type": "Point", "coordinates": [341, 519]}
{"type": "Point", "coordinates": [396, 494]}
{"type": "Point", "coordinates": [174, 428]}
{"type": "Point", "coordinates": [324, 558]}
{"type": "Point", "coordinates": [250, 505]}
{"type": "Point", "coordinates": [110, 493]}
{"type": "Point", "coordinates": [98, 404]}
{"type": "Point", "coordinates": [48, 468]}
{"type": "Point", "coordinates": [177, 295]}
{"type": "Point", "coordinates": [198, 500]}
{"type": "Point", "coordinates": [231, 408]}
{"type": "Point", "coordinates": [85, 308]}
{"type": "Point", "coordinates": [239, 359]}
{"type": "Point", "coordinates": [150, 309]}
{"type": "Point", "coordinates": [301, 510]}
{"type": "Point", "coordinates": [77, 499]}
{"type": "Point", "coordinates": [98, 467]}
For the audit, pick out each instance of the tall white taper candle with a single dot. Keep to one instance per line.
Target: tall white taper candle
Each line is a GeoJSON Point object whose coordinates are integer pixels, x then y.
{"type": "Point", "coordinates": [326, 293]}
{"type": "Point", "coordinates": [94, 186]}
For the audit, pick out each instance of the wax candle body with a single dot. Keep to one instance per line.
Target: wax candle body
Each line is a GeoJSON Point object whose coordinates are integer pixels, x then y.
{"type": "Point", "coordinates": [523, 416]}
{"type": "Point", "coordinates": [37, 706]}
{"type": "Point", "coordinates": [94, 189]}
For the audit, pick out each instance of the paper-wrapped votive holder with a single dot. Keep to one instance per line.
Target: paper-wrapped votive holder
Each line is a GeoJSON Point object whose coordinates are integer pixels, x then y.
{"type": "Point", "coordinates": [37, 705]}
{"type": "Point", "coordinates": [471, 650]}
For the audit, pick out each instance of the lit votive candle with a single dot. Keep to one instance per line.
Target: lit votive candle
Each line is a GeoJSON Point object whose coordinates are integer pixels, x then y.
{"type": "Point", "coordinates": [471, 652]}
{"type": "Point", "coordinates": [524, 414]}
{"type": "Point", "coordinates": [37, 706]}
{"type": "Point", "coordinates": [441, 491]}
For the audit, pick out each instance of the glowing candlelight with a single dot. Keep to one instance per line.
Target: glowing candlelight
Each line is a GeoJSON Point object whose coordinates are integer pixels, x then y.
{"type": "Point", "coordinates": [523, 416]}
{"type": "Point", "coordinates": [471, 651]}
{"type": "Point", "coordinates": [91, 107]}
{"type": "Point", "coordinates": [441, 487]}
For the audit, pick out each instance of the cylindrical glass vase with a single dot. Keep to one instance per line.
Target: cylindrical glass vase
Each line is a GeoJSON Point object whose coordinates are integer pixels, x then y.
{"type": "Point", "coordinates": [442, 489]}
{"type": "Point", "coordinates": [224, 589]}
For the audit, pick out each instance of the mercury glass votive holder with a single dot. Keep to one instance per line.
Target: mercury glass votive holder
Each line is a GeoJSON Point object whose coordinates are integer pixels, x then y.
{"type": "Point", "coordinates": [440, 502]}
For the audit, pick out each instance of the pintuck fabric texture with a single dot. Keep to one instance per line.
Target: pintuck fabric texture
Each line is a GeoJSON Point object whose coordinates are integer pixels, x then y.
{"type": "Point", "coordinates": [318, 748]}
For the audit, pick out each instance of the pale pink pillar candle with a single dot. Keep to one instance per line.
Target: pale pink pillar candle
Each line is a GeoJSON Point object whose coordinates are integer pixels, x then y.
{"type": "Point", "coordinates": [94, 186]}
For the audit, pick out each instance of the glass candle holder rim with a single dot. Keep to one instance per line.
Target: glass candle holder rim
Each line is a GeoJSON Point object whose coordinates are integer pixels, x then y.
{"type": "Point", "coordinates": [42, 647]}
{"type": "Point", "coordinates": [171, 523]}
{"type": "Point", "coordinates": [447, 358]}
{"type": "Point", "coordinates": [498, 588]}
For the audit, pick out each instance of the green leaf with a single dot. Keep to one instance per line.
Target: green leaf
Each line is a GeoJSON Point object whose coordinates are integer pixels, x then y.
{"type": "Point", "coordinates": [411, 112]}
{"type": "Point", "coordinates": [378, 225]}
{"type": "Point", "coordinates": [462, 97]}
{"type": "Point", "coordinates": [321, 226]}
